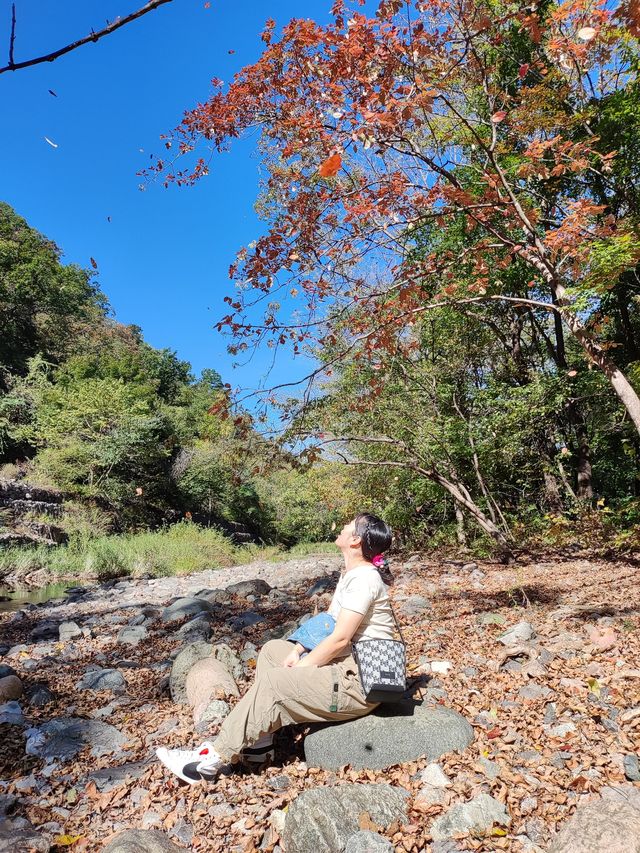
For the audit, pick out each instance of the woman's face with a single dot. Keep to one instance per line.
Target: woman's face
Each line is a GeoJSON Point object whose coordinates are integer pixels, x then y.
{"type": "Point", "coordinates": [347, 537]}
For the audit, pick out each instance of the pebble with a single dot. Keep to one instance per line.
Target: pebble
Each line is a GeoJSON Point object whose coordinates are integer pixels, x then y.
{"type": "Point", "coordinates": [631, 768]}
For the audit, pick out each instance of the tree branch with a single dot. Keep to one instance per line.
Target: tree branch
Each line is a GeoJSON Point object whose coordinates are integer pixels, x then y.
{"type": "Point", "coordinates": [93, 36]}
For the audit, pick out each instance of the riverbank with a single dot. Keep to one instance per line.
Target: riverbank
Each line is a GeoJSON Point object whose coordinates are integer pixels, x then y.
{"type": "Point", "coordinates": [554, 704]}
{"type": "Point", "coordinates": [181, 549]}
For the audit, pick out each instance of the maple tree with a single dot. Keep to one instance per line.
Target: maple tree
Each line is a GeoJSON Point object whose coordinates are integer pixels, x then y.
{"type": "Point", "coordinates": [380, 130]}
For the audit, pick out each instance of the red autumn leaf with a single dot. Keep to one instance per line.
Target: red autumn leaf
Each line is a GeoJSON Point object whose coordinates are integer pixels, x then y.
{"type": "Point", "coordinates": [94, 263]}
{"type": "Point", "coordinates": [493, 733]}
{"type": "Point", "coordinates": [498, 116]}
{"type": "Point", "coordinates": [330, 167]}
{"type": "Point", "coordinates": [523, 70]}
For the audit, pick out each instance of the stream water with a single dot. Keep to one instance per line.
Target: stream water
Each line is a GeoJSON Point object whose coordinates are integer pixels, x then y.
{"type": "Point", "coordinates": [18, 597]}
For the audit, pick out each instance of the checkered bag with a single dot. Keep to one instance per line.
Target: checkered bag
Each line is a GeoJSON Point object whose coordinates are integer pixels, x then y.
{"type": "Point", "coordinates": [382, 669]}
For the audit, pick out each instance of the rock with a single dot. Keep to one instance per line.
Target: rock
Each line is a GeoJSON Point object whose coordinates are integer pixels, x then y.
{"type": "Point", "coordinates": [187, 657]}
{"type": "Point", "coordinates": [415, 605]}
{"type": "Point", "coordinates": [132, 635]}
{"type": "Point", "coordinates": [112, 776]}
{"type": "Point", "coordinates": [522, 632]}
{"type": "Point", "coordinates": [229, 659]}
{"type": "Point", "coordinates": [16, 833]}
{"type": "Point", "coordinates": [368, 842]}
{"type": "Point", "coordinates": [257, 587]}
{"type": "Point", "coordinates": [214, 712]}
{"type": "Point", "coordinates": [40, 695]}
{"type": "Point", "coordinates": [478, 815]}
{"type": "Point", "coordinates": [6, 670]}
{"type": "Point", "coordinates": [198, 628]}
{"type": "Point", "coordinates": [44, 631]}
{"type": "Point", "coordinates": [69, 631]}
{"type": "Point", "coordinates": [469, 567]}
{"type": "Point", "coordinates": [183, 607]}
{"type": "Point", "coordinates": [10, 688]}
{"type": "Point", "coordinates": [102, 679]}
{"type": "Point", "coordinates": [325, 818]}
{"type": "Point", "coordinates": [434, 776]}
{"type": "Point", "coordinates": [560, 730]}
{"type": "Point", "coordinates": [141, 841]}
{"type": "Point", "coordinates": [606, 826]}
{"type": "Point", "coordinates": [215, 596]}
{"type": "Point", "coordinates": [206, 680]}
{"type": "Point", "coordinates": [320, 586]}
{"type": "Point", "coordinates": [11, 714]}
{"type": "Point", "coordinates": [491, 769]}
{"type": "Point", "coordinates": [245, 620]}
{"type": "Point", "coordinates": [631, 767]}
{"type": "Point", "coordinates": [534, 691]}
{"type": "Point", "coordinates": [64, 737]}
{"type": "Point", "coordinates": [390, 735]}
{"type": "Point", "coordinates": [489, 618]}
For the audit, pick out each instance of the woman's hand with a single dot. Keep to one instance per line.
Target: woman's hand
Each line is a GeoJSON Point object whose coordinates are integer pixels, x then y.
{"type": "Point", "coordinates": [292, 659]}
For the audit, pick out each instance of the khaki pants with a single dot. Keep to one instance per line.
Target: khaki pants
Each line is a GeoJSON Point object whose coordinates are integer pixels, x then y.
{"type": "Point", "coordinates": [282, 695]}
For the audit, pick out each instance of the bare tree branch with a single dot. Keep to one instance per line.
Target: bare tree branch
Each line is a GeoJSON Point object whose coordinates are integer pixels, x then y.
{"type": "Point", "coordinates": [93, 36]}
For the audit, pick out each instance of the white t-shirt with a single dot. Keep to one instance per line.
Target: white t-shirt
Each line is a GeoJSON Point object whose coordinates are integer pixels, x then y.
{"type": "Point", "coordinates": [362, 589]}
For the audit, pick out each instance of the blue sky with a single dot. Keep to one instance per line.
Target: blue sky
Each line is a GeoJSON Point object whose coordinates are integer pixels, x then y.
{"type": "Point", "coordinates": [164, 256]}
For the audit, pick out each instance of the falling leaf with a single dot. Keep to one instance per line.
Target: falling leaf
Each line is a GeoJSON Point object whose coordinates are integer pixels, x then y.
{"type": "Point", "coordinates": [498, 116]}
{"type": "Point", "coordinates": [94, 263]}
{"type": "Point", "coordinates": [51, 92]}
{"type": "Point", "coordinates": [572, 372]}
{"type": "Point", "coordinates": [207, 5]}
{"type": "Point", "coordinates": [330, 167]}
{"type": "Point", "coordinates": [138, 490]}
{"type": "Point", "coordinates": [52, 144]}
{"type": "Point", "coordinates": [586, 33]}
{"type": "Point", "coordinates": [231, 51]}
{"type": "Point", "coordinates": [333, 525]}
{"type": "Point", "coordinates": [523, 70]}
{"type": "Point", "coordinates": [108, 219]}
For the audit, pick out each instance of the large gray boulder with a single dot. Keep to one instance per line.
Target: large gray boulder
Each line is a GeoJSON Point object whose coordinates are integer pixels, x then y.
{"type": "Point", "coordinates": [609, 825]}
{"type": "Point", "coordinates": [64, 737]}
{"type": "Point", "coordinates": [368, 842]}
{"type": "Point", "coordinates": [390, 735]}
{"type": "Point", "coordinates": [190, 655]}
{"type": "Point", "coordinates": [325, 818]}
{"type": "Point", "coordinates": [478, 815]}
{"type": "Point", "coordinates": [183, 607]}
{"type": "Point", "coordinates": [141, 841]}
{"type": "Point", "coordinates": [131, 635]}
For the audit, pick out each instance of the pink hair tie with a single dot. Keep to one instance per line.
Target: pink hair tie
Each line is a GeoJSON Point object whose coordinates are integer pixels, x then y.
{"type": "Point", "coordinates": [378, 561]}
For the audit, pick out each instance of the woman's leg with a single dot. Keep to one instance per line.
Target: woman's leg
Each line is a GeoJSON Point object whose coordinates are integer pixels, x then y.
{"type": "Point", "coordinates": [273, 654]}
{"type": "Point", "coordinates": [281, 696]}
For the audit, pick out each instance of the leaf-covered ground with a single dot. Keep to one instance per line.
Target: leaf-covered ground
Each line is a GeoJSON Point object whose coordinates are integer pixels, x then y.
{"type": "Point", "coordinates": [553, 721]}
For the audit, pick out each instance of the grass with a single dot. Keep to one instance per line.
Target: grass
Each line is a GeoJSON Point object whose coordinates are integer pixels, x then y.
{"type": "Point", "coordinates": [181, 549]}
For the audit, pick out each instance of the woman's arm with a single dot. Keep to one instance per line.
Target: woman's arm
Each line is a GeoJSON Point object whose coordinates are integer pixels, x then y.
{"type": "Point", "coordinates": [335, 644]}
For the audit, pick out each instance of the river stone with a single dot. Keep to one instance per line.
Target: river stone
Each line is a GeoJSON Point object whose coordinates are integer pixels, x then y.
{"type": "Point", "coordinates": [16, 834]}
{"type": "Point", "coordinates": [187, 657]}
{"type": "Point", "coordinates": [390, 735]}
{"type": "Point", "coordinates": [6, 670]}
{"type": "Point", "coordinates": [141, 841]}
{"type": "Point", "coordinates": [102, 679]}
{"type": "Point", "coordinates": [69, 631]}
{"type": "Point", "coordinates": [183, 607]}
{"type": "Point", "coordinates": [610, 825]}
{"type": "Point", "coordinates": [325, 818]}
{"type": "Point", "coordinates": [46, 630]}
{"type": "Point", "coordinates": [631, 768]}
{"type": "Point", "coordinates": [478, 815]}
{"type": "Point", "coordinates": [11, 714]}
{"type": "Point", "coordinates": [132, 635]}
{"type": "Point", "coordinates": [229, 659]}
{"type": "Point", "coordinates": [214, 712]}
{"type": "Point", "coordinates": [215, 596]}
{"type": "Point", "coordinates": [257, 587]}
{"type": "Point", "coordinates": [198, 628]}
{"type": "Point", "coordinates": [64, 737]}
{"type": "Point", "coordinates": [368, 842]}
{"type": "Point", "coordinates": [521, 632]}
{"type": "Point", "coordinates": [10, 688]}
{"type": "Point", "coordinates": [245, 620]}
{"type": "Point", "coordinates": [40, 696]}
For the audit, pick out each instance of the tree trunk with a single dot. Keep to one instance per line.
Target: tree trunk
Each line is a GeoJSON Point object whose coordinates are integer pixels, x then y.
{"type": "Point", "coordinates": [460, 531]}
{"type": "Point", "coordinates": [584, 491]}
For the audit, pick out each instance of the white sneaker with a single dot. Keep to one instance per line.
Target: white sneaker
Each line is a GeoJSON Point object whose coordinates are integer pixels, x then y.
{"type": "Point", "coordinates": [192, 765]}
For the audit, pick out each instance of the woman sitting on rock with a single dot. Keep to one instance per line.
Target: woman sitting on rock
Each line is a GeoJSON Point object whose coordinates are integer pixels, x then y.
{"type": "Point", "coordinates": [292, 686]}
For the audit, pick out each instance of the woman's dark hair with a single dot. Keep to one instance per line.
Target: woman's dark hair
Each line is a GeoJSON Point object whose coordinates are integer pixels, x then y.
{"type": "Point", "coordinates": [375, 535]}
